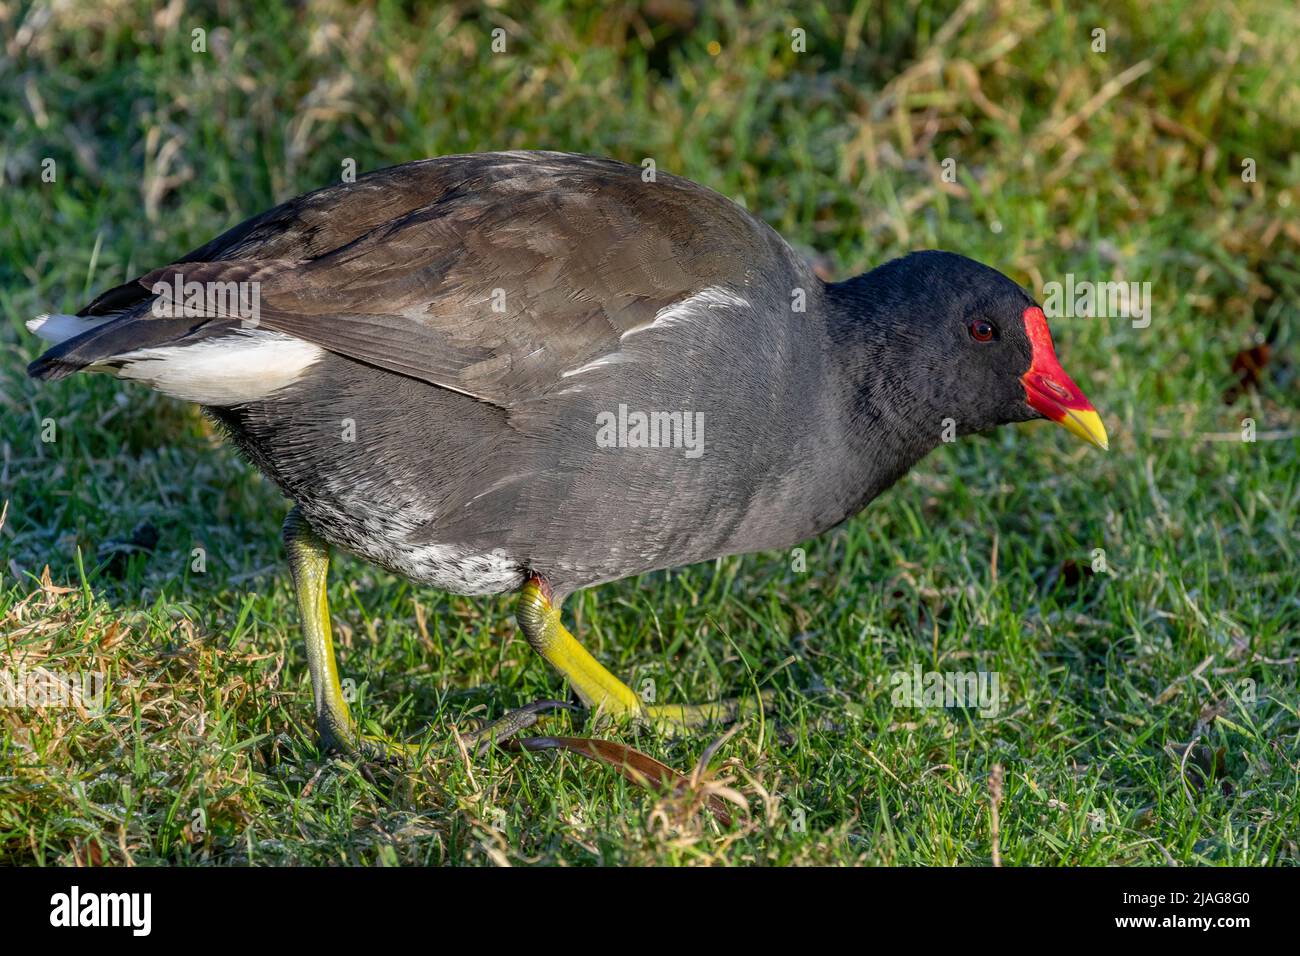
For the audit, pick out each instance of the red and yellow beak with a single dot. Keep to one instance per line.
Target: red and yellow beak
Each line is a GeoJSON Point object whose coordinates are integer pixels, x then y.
{"type": "Point", "coordinates": [1049, 391]}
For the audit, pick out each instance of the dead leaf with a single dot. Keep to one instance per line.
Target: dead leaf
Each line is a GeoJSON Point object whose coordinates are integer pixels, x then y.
{"type": "Point", "coordinates": [641, 769]}
{"type": "Point", "coordinates": [1069, 572]}
{"type": "Point", "coordinates": [1248, 370]}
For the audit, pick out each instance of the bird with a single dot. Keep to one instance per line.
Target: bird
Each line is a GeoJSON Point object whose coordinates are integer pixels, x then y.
{"type": "Point", "coordinates": [537, 372]}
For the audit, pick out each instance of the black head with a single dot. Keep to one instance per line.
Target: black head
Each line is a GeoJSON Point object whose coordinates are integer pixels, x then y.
{"type": "Point", "coordinates": [955, 347]}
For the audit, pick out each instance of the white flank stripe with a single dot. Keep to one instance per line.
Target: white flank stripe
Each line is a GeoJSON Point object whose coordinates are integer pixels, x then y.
{"type": "Point", "coordinates": [688, 310]}
{"type": "Point", "coordinates": [595, 364]}
{"type": "Point", "coordinates": [692, 309]}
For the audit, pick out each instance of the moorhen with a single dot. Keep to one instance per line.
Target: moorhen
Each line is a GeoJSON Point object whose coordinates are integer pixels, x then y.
{"type": "Point", "coordinates": [539, 371]}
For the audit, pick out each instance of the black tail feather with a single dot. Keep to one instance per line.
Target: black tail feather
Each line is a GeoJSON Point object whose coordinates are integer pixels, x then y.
{"type": "Point", "coordinates": [127, 333]}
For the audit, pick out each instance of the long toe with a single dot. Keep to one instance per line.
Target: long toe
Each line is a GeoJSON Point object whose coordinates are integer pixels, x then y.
{"type": "Point", "coordinates": [673, 719]}
{"type": "Point", "coordinates": [503, 728]}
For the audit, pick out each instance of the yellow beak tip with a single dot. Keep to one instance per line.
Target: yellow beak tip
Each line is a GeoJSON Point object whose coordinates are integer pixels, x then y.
{"type": "Point", "coordinates": [1088, 426]}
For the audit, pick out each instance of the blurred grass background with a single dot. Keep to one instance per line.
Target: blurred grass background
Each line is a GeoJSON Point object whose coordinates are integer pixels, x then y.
{"type": "Point", "coordinates": [1152, 709]}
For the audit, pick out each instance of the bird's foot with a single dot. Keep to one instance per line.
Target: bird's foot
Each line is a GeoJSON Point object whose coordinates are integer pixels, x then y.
{"type": "Point", "coordinates": [372, 748]}
{"type": "Point", "coordinates": [666, 719]}
{"type": "Point", "coordinates": [604, 695]}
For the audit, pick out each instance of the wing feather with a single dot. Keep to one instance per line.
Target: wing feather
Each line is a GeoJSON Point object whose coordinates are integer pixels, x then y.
{"type": "Point", "coordinates": [490, 275]}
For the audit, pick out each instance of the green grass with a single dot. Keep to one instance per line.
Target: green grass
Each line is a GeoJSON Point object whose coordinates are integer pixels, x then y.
{"type": "Point", "coordinates": [1152, 710]}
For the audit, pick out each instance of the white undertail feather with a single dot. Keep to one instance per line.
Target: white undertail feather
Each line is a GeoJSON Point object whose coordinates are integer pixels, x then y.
{"type": "Point", "coordinates": [243, 366]}
{"type": "Point", "coordinates": [228, 370]}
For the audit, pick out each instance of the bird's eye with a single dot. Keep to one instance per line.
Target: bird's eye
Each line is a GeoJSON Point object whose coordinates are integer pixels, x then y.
{"type": "Point", "coordinates": [981, 330]}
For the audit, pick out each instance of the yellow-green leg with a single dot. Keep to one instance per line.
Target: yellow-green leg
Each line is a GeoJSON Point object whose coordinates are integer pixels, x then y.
{"type": "Point", "coordinates": [309, 561]}
{"type": "Point", "coordinates": [596, 687]}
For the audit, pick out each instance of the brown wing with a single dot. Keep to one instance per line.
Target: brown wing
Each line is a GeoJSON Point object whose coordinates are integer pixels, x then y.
{"type": "Point", "coordinates": [490, 275]}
